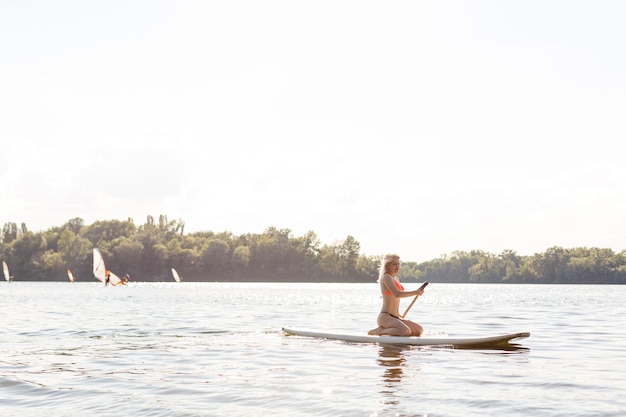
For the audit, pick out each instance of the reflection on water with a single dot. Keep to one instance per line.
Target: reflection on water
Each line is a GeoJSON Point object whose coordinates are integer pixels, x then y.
{"type": "Point", "coordinates": [392, 359]}
{"type": "Point", "coordinates": [508, 347]}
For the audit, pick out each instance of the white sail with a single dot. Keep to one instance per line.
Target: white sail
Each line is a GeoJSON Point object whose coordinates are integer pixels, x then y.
{"type": "Point", "coordinates": [100, 271]}
{"type": "Point", "coordinates": [70, 275]}
{"type": "Point", "coordinates": [175, 274]}
{"type": "Point", "coordinates": [5, 269]}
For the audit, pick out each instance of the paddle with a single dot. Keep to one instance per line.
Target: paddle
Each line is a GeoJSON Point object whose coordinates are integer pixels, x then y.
{"type": "Point", "coordinates": [414, 299]}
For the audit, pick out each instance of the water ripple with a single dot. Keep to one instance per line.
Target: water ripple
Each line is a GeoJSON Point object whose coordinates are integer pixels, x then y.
{"type": "Point", "coordinates": [207, 349]}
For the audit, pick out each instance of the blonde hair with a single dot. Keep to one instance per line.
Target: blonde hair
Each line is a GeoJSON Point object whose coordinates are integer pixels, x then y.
{"type": "Point", "coordinates": [386, 260]}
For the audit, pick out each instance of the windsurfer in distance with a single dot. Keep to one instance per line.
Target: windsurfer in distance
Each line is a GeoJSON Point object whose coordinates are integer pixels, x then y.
{"type": "Point", "coordinates": [389, 321]}
{"type": "Point", "coordinates": [107, 279]}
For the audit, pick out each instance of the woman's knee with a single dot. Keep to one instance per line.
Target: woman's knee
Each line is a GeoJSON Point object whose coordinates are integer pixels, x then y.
{"type": "Point", "coordinates": [405, 331]}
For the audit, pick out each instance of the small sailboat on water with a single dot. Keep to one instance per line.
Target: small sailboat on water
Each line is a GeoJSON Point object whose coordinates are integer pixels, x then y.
{"type": "Point", "coordinates": [100, 271]}
{"type": "Point", "coordinates": [175, 274]}
{"type": "Point", "coordinates": [7, 274]}
{"type": "Point", "coordinates": [70, 275]}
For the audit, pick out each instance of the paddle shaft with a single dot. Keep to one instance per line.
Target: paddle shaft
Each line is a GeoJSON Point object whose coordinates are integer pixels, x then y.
{"type": "Point", "coordinates": [414, 300]}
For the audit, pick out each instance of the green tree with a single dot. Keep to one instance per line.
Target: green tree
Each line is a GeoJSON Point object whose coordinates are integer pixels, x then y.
{"type": "Point", "coordinates": [27, 256]}
{"type": "Point", "coordinates": [348, 254]}
{"type": "Point", "coordinates": [71, 247]}
{"type": "Point", "coordinates": [75, 225]}
{"type": "Point", "coordinates": [215, 258]}
{"type": "Point", "coordinates": [183, 253]}
{"type": "Point", "coordinates": [9, 232]}
{"type": "Point", "coordinates": [487, 269]}
{"type": "Point", "coordinates": [104, 231]}
{"type": "Point", "coordinates": [551, 265]}
{"type": "Point", "coordinates": [367, 268]}
{"type": "Point", "coordinates": [126, 252]}
{"type": "Point", "coordinates": [240, 260]}
{"type": "Point", "coordinates": [52, 267]}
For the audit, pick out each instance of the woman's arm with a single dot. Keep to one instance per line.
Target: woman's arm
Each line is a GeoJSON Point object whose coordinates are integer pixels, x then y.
{"type": "Point", "coordinates": [389, 283]}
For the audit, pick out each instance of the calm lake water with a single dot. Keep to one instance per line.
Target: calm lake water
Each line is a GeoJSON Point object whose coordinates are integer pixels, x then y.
{"type": "Point", "coordinates": [216, 349]}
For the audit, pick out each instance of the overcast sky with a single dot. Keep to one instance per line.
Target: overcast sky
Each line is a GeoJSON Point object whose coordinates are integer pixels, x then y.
{"type": "Point", "coordinates": [417, 127]}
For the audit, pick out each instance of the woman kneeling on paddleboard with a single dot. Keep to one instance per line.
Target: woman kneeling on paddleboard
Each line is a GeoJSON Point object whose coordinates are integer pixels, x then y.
{"type": "Point", "coordinates": [389, 321]}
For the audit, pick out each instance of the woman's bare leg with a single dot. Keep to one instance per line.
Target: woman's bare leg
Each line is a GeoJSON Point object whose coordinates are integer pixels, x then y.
{"type": "Point", "coordinates": [390, 326]}
{"type": "Point", "coordinates": [375, 331]}
{"type": "Point", "coordinates": [416, 329]}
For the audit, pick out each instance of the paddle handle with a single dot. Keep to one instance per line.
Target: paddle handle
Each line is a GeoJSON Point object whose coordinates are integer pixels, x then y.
{"type": "Point", "coordinates": [414, 300]}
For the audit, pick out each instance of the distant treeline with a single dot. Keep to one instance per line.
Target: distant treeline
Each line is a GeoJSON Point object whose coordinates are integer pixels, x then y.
{"type": "Point", "coordinates": [149, 251]}
{"type": "Point", "coordinates": [554, 266]}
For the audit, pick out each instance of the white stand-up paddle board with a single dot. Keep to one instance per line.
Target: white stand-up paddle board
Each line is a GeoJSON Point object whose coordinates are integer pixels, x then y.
{"type": "Point", "coordinates": [463, 342]}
